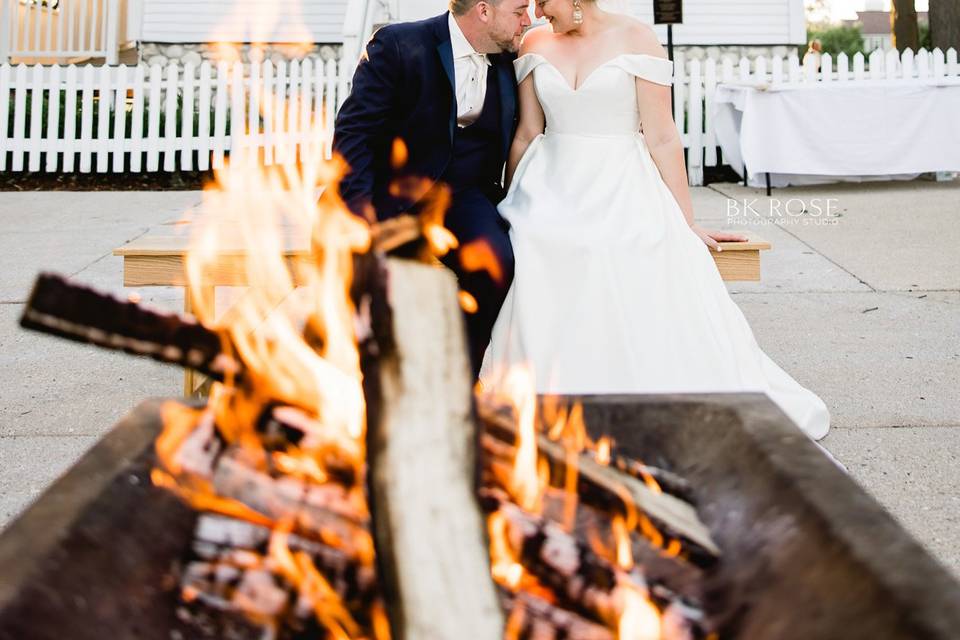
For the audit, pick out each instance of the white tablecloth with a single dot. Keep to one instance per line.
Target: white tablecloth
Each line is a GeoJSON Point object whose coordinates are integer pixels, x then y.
{"type": "Point", "coordinates": [819, 132]}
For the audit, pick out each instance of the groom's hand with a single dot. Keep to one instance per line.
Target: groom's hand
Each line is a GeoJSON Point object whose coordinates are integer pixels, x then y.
{"type": "Point", "coordinates": [712, 238]}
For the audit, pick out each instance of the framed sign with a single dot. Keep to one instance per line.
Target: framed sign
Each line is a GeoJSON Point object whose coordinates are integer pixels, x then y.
{"type": "Point", "coordinates": [667, 11]}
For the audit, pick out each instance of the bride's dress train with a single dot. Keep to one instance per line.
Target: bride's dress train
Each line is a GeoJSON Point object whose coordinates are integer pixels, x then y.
{"type": "Point", "coordinates": [613, 292]}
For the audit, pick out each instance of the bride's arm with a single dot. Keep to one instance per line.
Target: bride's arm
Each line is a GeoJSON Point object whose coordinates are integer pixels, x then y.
{"type": "Point", "coordinates": [663, 140]}
{"type": "Point", "coordinates": [530, 126]}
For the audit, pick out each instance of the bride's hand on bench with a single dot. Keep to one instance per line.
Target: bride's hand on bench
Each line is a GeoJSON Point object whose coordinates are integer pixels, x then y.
{"type": "Point", "coordinates": [711, 238]}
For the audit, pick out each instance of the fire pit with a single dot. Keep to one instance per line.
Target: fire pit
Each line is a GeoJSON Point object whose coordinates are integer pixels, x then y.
{"type": "Point", "coordinates": [806, 554]}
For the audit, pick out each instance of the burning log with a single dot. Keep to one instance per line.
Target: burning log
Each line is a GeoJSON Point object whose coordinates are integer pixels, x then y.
{"type": "Point", "coordinates": [533, 617]}
{"type": "Point", "coordinates": [602, 486]}
{"type": "Point", "coordinates": [226, 548]}
{"type": "Point", "coordinates": [581, 580]}
{"type": "Point", "coordinates": [427, 524]}
{"type": "Point", "coordinates": [79, 313]}
{"type": "Point", "coordinates": [320, 511]}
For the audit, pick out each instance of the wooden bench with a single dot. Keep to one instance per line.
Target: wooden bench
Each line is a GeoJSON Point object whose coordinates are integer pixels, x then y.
{"type": "Point", "coordinates": [157, 259]}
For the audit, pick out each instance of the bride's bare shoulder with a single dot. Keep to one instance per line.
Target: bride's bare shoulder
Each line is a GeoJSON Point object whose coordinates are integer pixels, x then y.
{"type": "Point", "coordinates": [535, 39]}
{"type": "Point", "coordinates": [641, 38]}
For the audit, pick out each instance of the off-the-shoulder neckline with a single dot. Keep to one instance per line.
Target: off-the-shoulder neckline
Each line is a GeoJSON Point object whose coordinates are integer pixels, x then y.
{"type": "Point", "coordinates": [592, 71]}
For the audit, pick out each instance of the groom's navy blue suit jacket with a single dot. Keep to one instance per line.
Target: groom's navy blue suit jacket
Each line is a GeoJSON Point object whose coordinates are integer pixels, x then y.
{"type": "Point", "coordinates": [404, 87]}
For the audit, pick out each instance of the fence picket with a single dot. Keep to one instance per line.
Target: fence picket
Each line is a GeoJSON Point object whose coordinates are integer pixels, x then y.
{"type": "Point", "coordinates": [843, 67]}
{"type": "Point", "coordinates": [170, 118]}
{"type": "Point", "coordinates": [320, 123]}
{"type": "Point", "coordinates": [36, 118]}
{"type": "Point", "coordinates": [679, 75]}
{"type": "Point", "coordinates": [104, 105]}
{"type": "Point", "coordinates": [279, 113]}
{"type": "Point", "coordinates": [203, 118]}
{"type": "Point", "coordinates": [70, 120]}
{"type": "Point", "coordinates": [329, 112]}
{"type": "Point", "coordinates": [155, 107]}
{"type": "Point", "coordinates": [891, 64]}
{"type": "Point", "coordinates": [906, 64]}
{"type": "Point", "coordinates": [5, 140]}
{"type": "Point", "coordinates": [826, 68]}
{"type": "Point", "coordinates": [253, 115]}
{"type": "Point", "coordinates": [306, 102]}
{"type": "Point", "coordinates": [119, 136]}
{"type": "Point", "coordinates": [52, 139]}
{"type": "Point", "coordinates": [186, 117]}
{"type": "Point", "coordinates": [293, 112]}
{"type": "Point", "coordinates": [136, 119]}
{"type": "Point", "coordinates": [269, 99]}
{"type": "Point", "coordinates": [19, 116]}
{"type": "Point", "coordinates": [938, 64]}
{"type": "Point", "coordinates": [793, 68]}
{"type": "Point", "coordinates": [695, 125]}
{"type": "Point", "coordinates": [776, 70]}
{"type": "Point", "coordinates": [760, 69]}
{"type": "Point", "coordinates": [238, 141]}
{"type": "Point", "coordinates": [220, 116]}
{"type": "Point", "coordinates": [710, 135]}
{"type": "Point", "coordinates": [923, 64]}
{"type": "Point", "coordinates": [858, 62]}
{"type": "Point", "coordinates": [952, 67]}
{"type": "Point", "coordinates": [86, 120]}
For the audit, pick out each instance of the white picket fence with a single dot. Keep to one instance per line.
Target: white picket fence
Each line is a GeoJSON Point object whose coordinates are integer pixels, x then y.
{"type": "Point", "coordinates": [696, 82]}
{"type": "Point", "coordinates": [107, 119]}
{"type": "Point", "coordinates": [146, 119]}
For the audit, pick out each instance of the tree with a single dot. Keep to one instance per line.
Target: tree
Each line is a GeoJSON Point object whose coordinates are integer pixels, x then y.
{"type": "Point", "coordinates": [903, 24]}
{"type": "Point", "coordinates": [837, 39]}
{"type": "Point", "coordinates": [945, 24]}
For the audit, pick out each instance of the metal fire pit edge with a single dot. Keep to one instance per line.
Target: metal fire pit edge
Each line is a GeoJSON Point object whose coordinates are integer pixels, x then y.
{"type": "Point", "coordinates": [807, 553]}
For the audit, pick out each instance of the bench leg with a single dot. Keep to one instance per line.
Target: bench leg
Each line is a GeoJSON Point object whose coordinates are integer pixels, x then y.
{"type": "Point", "coordinates": [195, 383]}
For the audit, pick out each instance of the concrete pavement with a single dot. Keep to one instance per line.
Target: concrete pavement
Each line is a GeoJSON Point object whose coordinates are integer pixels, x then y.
{"type": "Point", "coordinates": [861, 305]}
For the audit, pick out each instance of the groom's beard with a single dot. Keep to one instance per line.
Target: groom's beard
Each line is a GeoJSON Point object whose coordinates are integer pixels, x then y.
{"type": "Point", "coordinates": [508, 46]}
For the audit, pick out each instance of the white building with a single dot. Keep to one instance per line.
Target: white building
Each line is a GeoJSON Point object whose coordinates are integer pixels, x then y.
{"type": "Point", "coordinates": [705, 22]}
{"type": "Point", "coordinates": [67, 30]}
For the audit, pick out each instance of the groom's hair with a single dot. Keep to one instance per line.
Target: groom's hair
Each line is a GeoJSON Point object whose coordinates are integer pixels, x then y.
{"type": "Point", "coordinates": [460, 7]}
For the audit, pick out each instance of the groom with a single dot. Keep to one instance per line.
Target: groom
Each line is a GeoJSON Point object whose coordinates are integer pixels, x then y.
{"type": "Point", "coordinates": [445, 87]}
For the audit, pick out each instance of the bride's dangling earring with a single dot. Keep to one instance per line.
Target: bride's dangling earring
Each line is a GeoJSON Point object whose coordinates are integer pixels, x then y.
{"type": "Point", "coordinates": [577, 13]}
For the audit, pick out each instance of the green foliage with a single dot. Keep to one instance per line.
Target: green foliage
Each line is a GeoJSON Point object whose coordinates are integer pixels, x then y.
{"type": "Point", "coordinates": [835, 39]}
{"type": "Point", "coordinates": [925, 41]}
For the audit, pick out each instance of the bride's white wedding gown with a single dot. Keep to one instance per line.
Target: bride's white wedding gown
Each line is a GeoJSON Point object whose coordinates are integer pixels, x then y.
{"type": "Point", "coordinates": [613, 292]}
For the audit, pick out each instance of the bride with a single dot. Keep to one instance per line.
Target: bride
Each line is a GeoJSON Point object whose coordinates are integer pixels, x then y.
{"type": "Point", "coordinates": [615, 290]}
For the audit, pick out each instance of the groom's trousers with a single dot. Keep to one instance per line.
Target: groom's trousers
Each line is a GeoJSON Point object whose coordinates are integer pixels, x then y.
{"type": "Point", "coordinates": [474, 220]}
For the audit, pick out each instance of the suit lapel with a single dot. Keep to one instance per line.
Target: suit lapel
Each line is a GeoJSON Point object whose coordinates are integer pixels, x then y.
{"type": "Point", "coordinates": [445, 51]}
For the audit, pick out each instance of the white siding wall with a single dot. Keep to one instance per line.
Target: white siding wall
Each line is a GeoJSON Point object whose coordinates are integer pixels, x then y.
{"type": "Point", "coordinates": [243, 20]}
{"type": "Point", "coordinates": [705, 21]}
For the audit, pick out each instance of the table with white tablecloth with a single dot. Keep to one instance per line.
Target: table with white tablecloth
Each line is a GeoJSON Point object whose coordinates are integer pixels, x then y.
{"type": "Point", "coordinates": [818, 132]}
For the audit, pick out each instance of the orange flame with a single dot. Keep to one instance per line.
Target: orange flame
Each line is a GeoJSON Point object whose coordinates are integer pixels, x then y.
{"type": "Point", "coordinates": [300, 571]}
{"type": "Point", "coordinates": [603, 451]}
{"type": "Point", "coordinates": [294, 331]}
{"type": "Point", "coordinates": [621, 538]}
{"type": "Point", "coordinates": [467, 302]}
{"type": "Point", "coordinates": [477, 255]}
{"type": "Point", "coordinates": [525, 480]}
{"type": "Point", "coordinates": [504, 562]}
{"type": "Point", "coordinates": [639, 618]}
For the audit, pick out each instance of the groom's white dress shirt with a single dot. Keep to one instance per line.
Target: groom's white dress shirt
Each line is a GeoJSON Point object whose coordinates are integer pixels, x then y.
{"type": "Point", "coordinates": [470, 75]}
